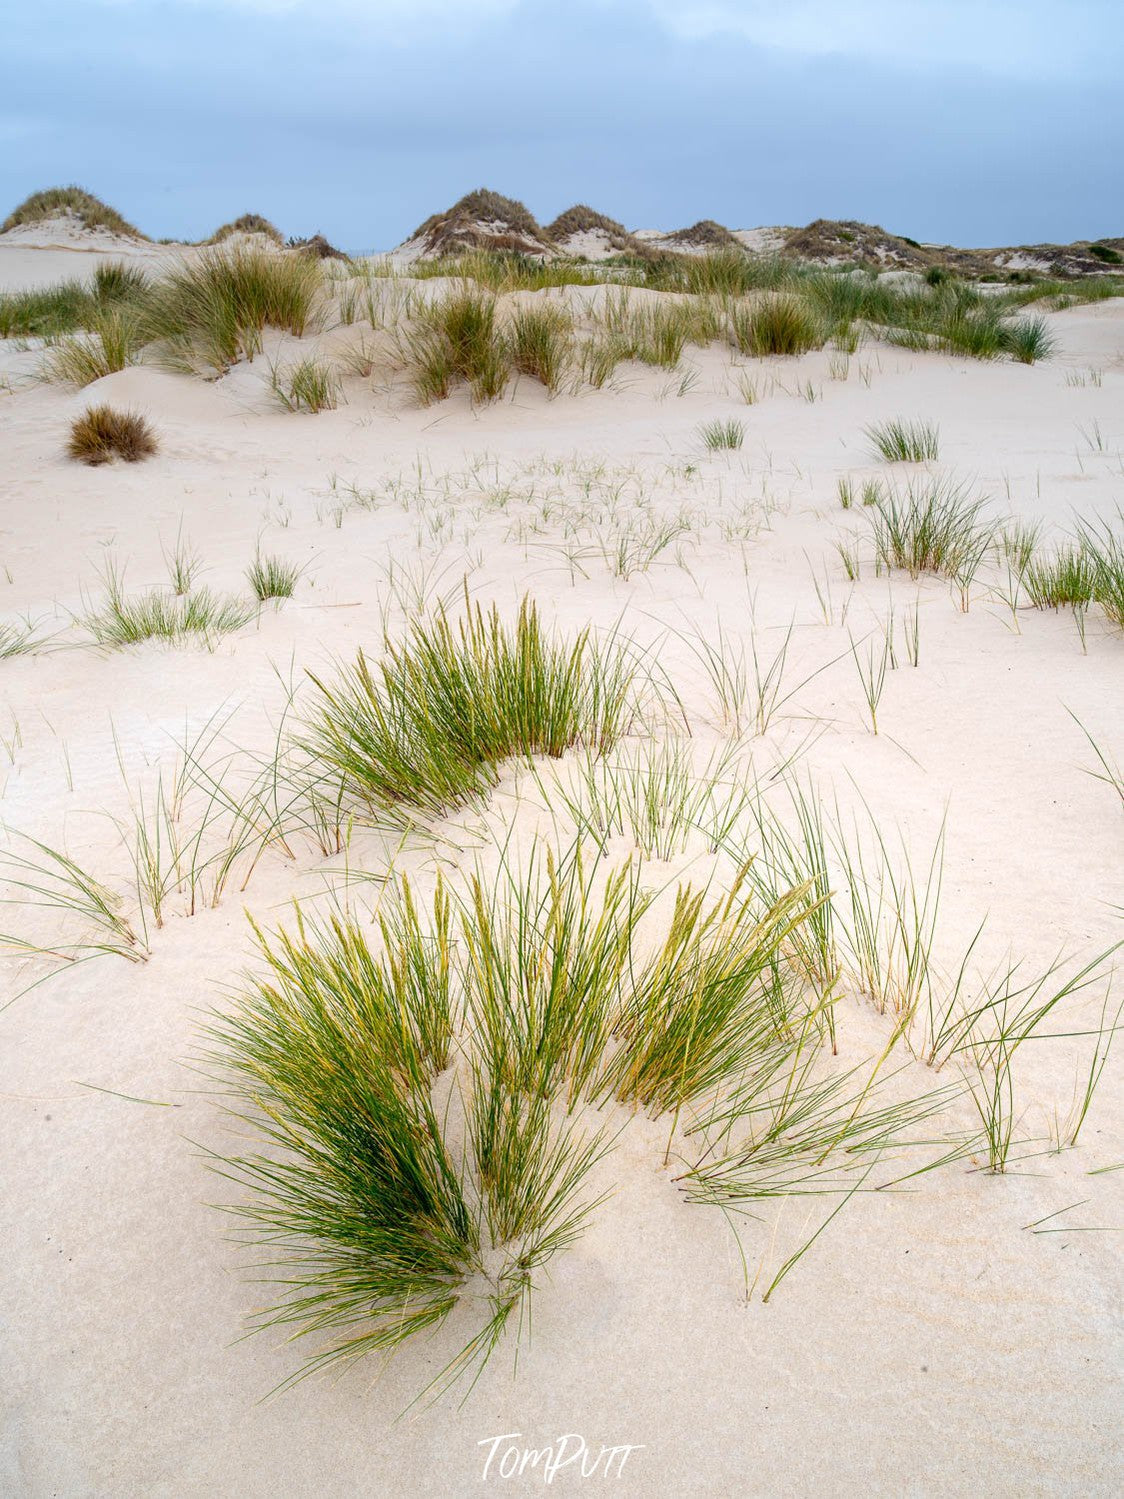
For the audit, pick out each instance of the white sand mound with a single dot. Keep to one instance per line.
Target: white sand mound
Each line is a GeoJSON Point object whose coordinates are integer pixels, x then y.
{"type": "Point", "coordinates": [66, 231]}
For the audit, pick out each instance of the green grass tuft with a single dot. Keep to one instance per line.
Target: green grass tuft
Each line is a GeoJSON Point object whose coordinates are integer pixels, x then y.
{"type": "Point", "coordinates": [309, 385]}
{"type": "Point", "coordinates": [426, 728]}
{"type": "Point", "coordinates": [206, 315]}
{"type": "Point", "coordinates": [904, 442]}
{"type": "Point", "coordinates": [272, 578]}
{"type": "Point", "coordinates": [936, 527]}
{"type": "Point", "coordinates": [778, 323]}
{"type": "Point", "coordinates": [162, 615]}
{"type": "Point", "coordinates": [457, 338]}
{"type": "Point", "coordinates": [717, 434]}
{"type": "Point", "coordinates": [541, 341]}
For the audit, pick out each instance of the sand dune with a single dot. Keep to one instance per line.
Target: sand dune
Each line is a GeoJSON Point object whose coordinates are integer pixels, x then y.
{"type": "Point", "coordinates": [959, 1334]}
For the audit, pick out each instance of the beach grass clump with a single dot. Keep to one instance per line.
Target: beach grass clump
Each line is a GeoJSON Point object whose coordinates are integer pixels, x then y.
{"type": "Point", "coordinates": [310, 385]}
{"type": "Point", "coordinates": [205, 315]}
{"type": "Point", "coordinates": [1028, 340]}
{"type": "Point", "coordinates": [272, 578]}
{"type": "Point", "coordinates": [359, 1186]}
{"type": "Point", "coordinates": [18, 639]}
{"type": "Point", "coordinates": [717, 435]}
{"type": "Point", "coordinates": [111, 344]}
{"type": "Point", "coordinates": [1103, 545]}
{"type": "Point", "coordinates": [541, 342]}
{"type": "Point", "coordinates": [102, 433]}
{"type": "Point", "coordinates": [421, 1100]}
{"type": "Point", "coordinates": [458, 338]}
{"type": "Point", "coordinates": [1063, 579]}
{"type": "Point", "coordinates": [120, 620]}
{"type": "Point", "coordinates": [976, 331]}
{"type": "Point", "coordinates": [702, 1011]}
{"type": "Point", "coordinates": [730, 272]}
{"type": "Point", "coordinates": [901, 441]}
{"type": "Point", "coordinates": [71, 306]}
{"type": "Point", "coordinates": [933, 527]}
{"type": "Point", "coordinates": [47, 312]}
{"type": "Point", "coordinates": [385, 1213]}
{"type": "Point", "coordinates": [776, 323]}
{"type": "Point", "coordinates": [656, 331]}
{"type": "Point", "coordinates": [426, 728]}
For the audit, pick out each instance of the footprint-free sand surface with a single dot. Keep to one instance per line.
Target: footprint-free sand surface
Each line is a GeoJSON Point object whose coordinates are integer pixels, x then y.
{"type": "Point", "coordinates": [957, 1336]}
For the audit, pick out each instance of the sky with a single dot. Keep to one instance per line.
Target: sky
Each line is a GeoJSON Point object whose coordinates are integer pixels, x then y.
{"type": "Point", "coordinates": [972, 122]}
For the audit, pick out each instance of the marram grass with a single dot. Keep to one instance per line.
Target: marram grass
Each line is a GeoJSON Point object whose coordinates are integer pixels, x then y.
{"type": "Point", "coordinates": [425, 1103]}
{"type": "Point", "coordinates": [426, 727]}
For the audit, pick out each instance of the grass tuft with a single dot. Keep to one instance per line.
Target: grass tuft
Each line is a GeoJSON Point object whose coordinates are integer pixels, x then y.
{"type": "Point", "coordinates": [309, 385]}
{"type": "Point", "coordinates": [161, 615]}
{"type": "Point", "coordinates": [207, 314]}
{"type": "Point", "coordinates": [426, 728]}
{"type": "Point", "coordinates": [101, 434]}
{"type": "Point", "coordinates": [717, 434]}
{"type": "Point", "coordinates": [272, 578]}
{"type": "Point", "coordinates": [936, 527]}
{"type": "Point", "coordinates": [778, 323]}
{"type": "Point", "coordinates": [541, 341]}
{"type": "Point", "coordinates": [457, 338]}
{"type": "Point", "coordinates": [904, 442]}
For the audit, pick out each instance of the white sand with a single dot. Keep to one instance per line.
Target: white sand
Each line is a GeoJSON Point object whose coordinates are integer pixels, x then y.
{"type": "Point", "coordinates": [929, 1343]}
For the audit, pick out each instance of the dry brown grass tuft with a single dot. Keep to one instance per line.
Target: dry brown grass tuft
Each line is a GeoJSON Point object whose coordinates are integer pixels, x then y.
{"type": "Point", "coordinates": [101, 434]}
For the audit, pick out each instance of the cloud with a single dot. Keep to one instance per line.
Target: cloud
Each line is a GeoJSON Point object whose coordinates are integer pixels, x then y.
{"type": "Point", "coordinates": [1006, 36]}
{"type": "Point", "coordinates": [412, 14]}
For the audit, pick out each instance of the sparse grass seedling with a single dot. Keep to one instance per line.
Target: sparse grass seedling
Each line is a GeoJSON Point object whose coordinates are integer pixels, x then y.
{"type": "Point", "coordinates": [718, 435]}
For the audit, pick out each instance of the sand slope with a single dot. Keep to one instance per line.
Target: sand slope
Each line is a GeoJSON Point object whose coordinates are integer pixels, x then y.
{"type": "Point", "coordinates": [930, 1343]}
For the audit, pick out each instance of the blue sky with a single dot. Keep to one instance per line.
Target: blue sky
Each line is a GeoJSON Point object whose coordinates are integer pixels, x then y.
{"type": "Point", "coordinates": [981, 123]}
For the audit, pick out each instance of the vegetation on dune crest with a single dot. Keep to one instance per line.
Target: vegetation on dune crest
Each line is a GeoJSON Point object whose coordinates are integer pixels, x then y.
{"type": "Point", "coordinates": [248, 223]}
{"type": "Point", "coordinates": [91, 211]}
